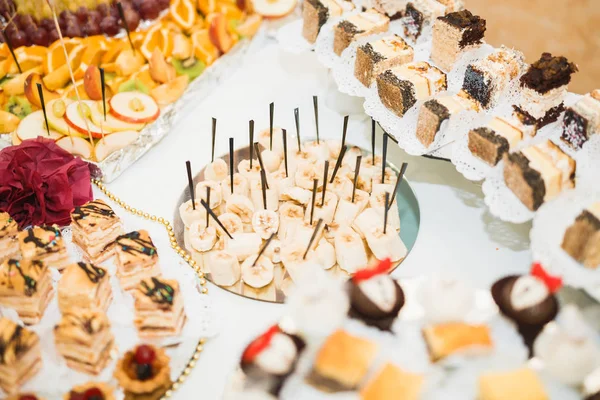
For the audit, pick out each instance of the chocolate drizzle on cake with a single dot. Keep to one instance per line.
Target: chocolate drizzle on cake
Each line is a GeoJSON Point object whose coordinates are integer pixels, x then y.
{"type": "Point", "coordinates": [13, 343]}
{"type": "Point", "coordinates": [49, 247]}
{"type": "Point", "coordinates": [132, 243]}
{"type": "Point", "coordinates": [95, 274]}
{"type": "Point", "coordinates": [575, 129]}
{"type": "Point", "coordinates": [96, 209]}
{"type": "Point", "coordinates": [8, 226]}
{"type": "Point", "coordinates": [30, 283]}
{"type": "Point", "coordinates": [160, 293]}
{"type": "Point", "coordinates": [473, 26]}
{"type": "Point", "coordinates": [532, 176]}
{"type": "Point", "coordinates": [477, 85]}
{"type": "Point", "coordinates": [548, 73]}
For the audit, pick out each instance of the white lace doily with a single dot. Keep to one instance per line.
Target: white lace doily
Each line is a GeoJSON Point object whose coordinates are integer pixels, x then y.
{"type": "Point", "coordinates": [290, 38]}
{"type": "Point", "coordinates": [549, 227]}
{"type": "Point", "coordinates": [588, 163]}
{"type": "Point", "coordinates": [466, 163]}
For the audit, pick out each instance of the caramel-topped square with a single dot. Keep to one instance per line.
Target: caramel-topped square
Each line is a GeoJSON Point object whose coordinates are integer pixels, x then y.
{"type": "Point", "coordinates": [82, 327]}
{"type": "Point", "coordinates": [94, 216]}
{"type": "Point", "coordinates": [80, 282]}
{"type": "Point", "coordinates": [136, 248]}
{"type": "Point", "coordinates": [15, 342]}
{"type": "Point", "coordinates": [153, 293]}
{"type": "Point", "coordinates": [21, 277]}
{"type": "Point", "coordinates": [41, 241]}
{"type": "Point", "coordinates": [8, 226]}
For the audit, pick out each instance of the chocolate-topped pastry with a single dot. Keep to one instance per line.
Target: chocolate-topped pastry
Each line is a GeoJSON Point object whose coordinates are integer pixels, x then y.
{"type": "Point", "coordinates": [316, 13]}
{"type": "Point", "coordinates": [582, 237]}
{"type": "Point", "coordinates": [375, 297]}
{"type": "Point", "coordinates": [137, 258]}
{"type": "Point", "coordinates": [20, 355]}
{"type": "Point", "coordinates": [528, 301]}
{"type": "Point", "coordinates": [44, 243]}
{"type": "Point", "coordinates": [420, 14]}
{"type": "Point", "coordinates": [9, 247]}
{"type": "Point", "coordinates": [270, 358]}
{"type": "Point", "coordinates": [582, 120]}
{"type": "Point", "coordinates": [376, 56]}
{"type": "Point", "coordinates": [84, 285]}
{"type": "Point", "coordinates": [356, 26]}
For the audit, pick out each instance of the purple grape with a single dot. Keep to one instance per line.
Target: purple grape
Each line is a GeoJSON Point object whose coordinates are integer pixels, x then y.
{"type": "Point", "coordinates": [40, 37]}
{"type": "Point", "coordinates": [47, 24]}
{"type": "Point", "coordinates": [110, 26]}
{"type": "Point", "coordinates": [149, 9]}
{"type": "Point", "coordinates": [132, 18]}
{"type": "Point", "coordinates": [53, 36]}
{"type": "Point", "coordinates": [103, 9]}
{"type": "Point", "coordinates": [91, 28]}
{"type": "Point", "coordinates": [18, 39]}
{"type": "Point", "coordinates": [82, 14]}
{"type": "Point", "coordinates": [95, 16]}
{"type": "Point", "coordinates": [72, 30]}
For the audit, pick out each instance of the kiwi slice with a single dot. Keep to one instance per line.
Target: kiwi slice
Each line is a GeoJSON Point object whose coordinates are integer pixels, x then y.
{"type": "Point", "coordinates": [190, 67]}
{"type": "Point", "coordinates": [134, 85]}
{"type": "Point", "coordinates": [18, 106]}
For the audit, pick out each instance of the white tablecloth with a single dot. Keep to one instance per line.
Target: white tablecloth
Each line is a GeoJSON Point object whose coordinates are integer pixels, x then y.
{"type": "Point", "coordinates": [457, 237]}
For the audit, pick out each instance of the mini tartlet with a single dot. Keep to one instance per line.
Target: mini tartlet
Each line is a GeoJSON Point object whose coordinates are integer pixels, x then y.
{"type": "Point", "coordinates": [144, 370]}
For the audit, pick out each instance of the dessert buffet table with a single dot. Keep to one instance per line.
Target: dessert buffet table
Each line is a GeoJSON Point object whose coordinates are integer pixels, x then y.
{"type": "Point", "coordinates": [458, 236]}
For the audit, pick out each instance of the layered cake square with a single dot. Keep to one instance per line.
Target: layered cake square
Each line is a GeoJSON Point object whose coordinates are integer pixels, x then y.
{"type": "Point", "coordinates": [435, 112]}
{"type": "Point", "coordinates": [582, 120]}
{"type": "Point", "coordinates": [356, 26]}
{"type": "Point", "coordinates": [454, 34]}
{"type": "Point", "coordinates": [9, 246]}
{"type": "Point", "coordinates": [26, 287]}
{"type": "Point", "coordinates": [543, 88]}
{"type": "Point", "coordinates": [95, 227]}
{"type": "Point", "coordinates": [20, 355]}
{"type": "Point", "coordinates": [399, 88]}
{"type": "Point", "coordinates": [137, 258]}
{"type": "Point", "coordinates": [520, 384]}
{"type": "Point", "coordinates": [44, 243]}
{"type": "Point", "coordinates": [582, 238]}
{"type": "Point", "coordinates": [158, 308]}
{"type": "Point", "coordinates": [538, 173]}
{"type": "Point", "coordinates": [392, 8]}
{"type": "Point", "coordinates": [450, 338]}
{"type": "Point", "coordinates": [392, 383]}
{"type": "Point", "coordinates": [492, 142]}
{"type": "Point", "coordinates": [84, 285]}
{"type": "Point", "coordinates": [486, 79]}
{"type": "Point", "coordinates": [378, 55]}
{"type": "Point", "coordinates": [316, 13]}
{"type": "Point", "coordinates": [419, 15]}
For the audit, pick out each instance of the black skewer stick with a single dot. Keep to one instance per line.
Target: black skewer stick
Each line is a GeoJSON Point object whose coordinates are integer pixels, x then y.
{"type": "Point", "coordinates": [251, 134]}
{"type": "Point", "coordinates": [344, 130]}
{"type": "Point", "coordinates": [214, 135]}
{"type": "Point", "coordinates": [316, 107]}
{"type": "Point", "coordinates": [271, 113]}
{"type": "Point", "coordinates": [384, 156]}
{"type": "Point", "coordinates": [188, 166]}
{"type": "Point", "coordinates": [12, 50]}
{"type": "Point", "coordinates": [297, 117]}
{"type": "Point", "coordinates": [122, 15]}
{"type": "Point", "coordinates": [41, 94]}
{"type": "Point", "coordinates": [260, 162]}
{"type": "Point", "coordinates": [231, 166]}
{"type": "Point", "coordinates": [260, 253]}
{"type": "Point", "coordinates": [103, 83]}
{"type": "Point", "coordinates": [373, 140]}
{"type": "Point", "coordinates": [314, 196]}
{"type": "Point", "coordinates": [385, 212]}
{"type": "Point", "coordinates": [208, 202]}
{"type": "Point", "coordinates": [313, 237]}
{"type": "Point", "coordinates": [212, 214]}
{"type": "Point", "coordinates": [338, 163]}
{"type": "Point", "coordinates": [263, 187]}
{"type": "Point", "coordinates": [325, 176]}
{"type": "Point", "coordinates": [356, 172]}
{"type": "Point", "coordinates": [398, 181]}
{"type": "Point", "coordinates": [285, 156]}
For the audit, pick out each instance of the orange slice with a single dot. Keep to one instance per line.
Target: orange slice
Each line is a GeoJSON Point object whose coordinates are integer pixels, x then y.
{"type": "Point", "coordinates": [204, 50]}
{"type": "Point", "coordinates": [207, 6]}
{"type": "Point", "coordinates": [56, 55]}
{"type": "Point", "coordinates": [250, 26]}
{"type": "Point", "coordinates": [29, 57]}
{"type": "Point", "coordinates": [230, 11]}
{"type": "Point", "coordinates": [157, 37]}
{"type": "Point", "coordinates": [96, 48]}
{"type": "Point", "coordinates": [114, 48]}
{"type": "Point", "coordinates": [75, 57]}
{"type": "Point", "coordinates": [4, 51]}
{"type": "Point", "coordinates": [183, 13]}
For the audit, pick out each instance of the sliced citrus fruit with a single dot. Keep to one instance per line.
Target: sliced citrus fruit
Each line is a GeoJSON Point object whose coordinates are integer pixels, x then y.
{"type": "Point", "coordinates": [114, 48]}
{"type": "Point", "coordinates": [29, 57]}
{"type": "Point", "coordinates": [56, 55]}
{"type": "Point", "coordinates": [230, 11]}
{"type": "Point", "coordinates": [250, 26]}
{"type": "Point", "coordinates": [75, 57]}
{"type": "Point", "coordinates": [207, 6]}
{"type": "Point", "coordinates": [4, 51]}
{"type": "Point", "coordinates": [57, 78]}
{"type": "Point", "coordinates": [182, 47]}
{"type": "Point", "coordinates": [183, 13]}
{"type": "Point", "coordinates": [204, 50]}
{"type": "Point", "coordinates": [157, 37]}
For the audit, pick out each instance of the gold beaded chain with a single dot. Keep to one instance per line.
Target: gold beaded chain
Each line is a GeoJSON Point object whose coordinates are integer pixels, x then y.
{"type": "Point", "coordinates": [186, 257]}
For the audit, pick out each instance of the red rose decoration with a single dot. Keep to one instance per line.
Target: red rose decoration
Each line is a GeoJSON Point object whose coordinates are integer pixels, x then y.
{"type": "Point", "coordinates": [40, 183]}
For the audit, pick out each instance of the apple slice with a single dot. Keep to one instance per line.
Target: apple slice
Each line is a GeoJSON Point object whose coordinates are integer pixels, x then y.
{"type": "Point", "coordinates": [80, 119]}
{"type": "Point", "coordinates": [218, 32]}
{"type": "Point", "coordinates": [77, 146]}
{"type": "Point", "coordinates": [33, 126]}
{"type": "Point", "coordinates": [114, 142]}
{"type": "Point", "coordinates": [134, 107]}
{"type": "Point", "coordinates": [274, 8]}
{"type": "Point", "coordinates": [112, 124]}
{"type": "Point", "coordinates": [55, 110]}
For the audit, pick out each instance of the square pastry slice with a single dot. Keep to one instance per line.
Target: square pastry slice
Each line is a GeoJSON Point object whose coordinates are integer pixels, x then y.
{"type": "Point", "coordinates": [420, 14]}
{"type": "Point", "coordinates": [137, 258]}
{"type": "Point", "coordinates": [25, 286]}
{"type": "Point", "coordinates": [316, 13]}
{"type": "Point", "coordinates": [44, 243]}
{"type": "Point", "coordinates": [392, 8]}
{"type": "Point", "coordinates": [9, 246]}
{"type": "Point", "coordinates": [84, 285]}
{"type": "Point", "coordinates": [158, 308]}
{"type": "Point", "coordinates": [582, 120]}
{"type": "Point", "coordinates": [520, 384]}
{"type": "Point", "coordinates": [543, 89]}
{"type": "Point", "coordinates": [378, 55]}
{"type": "Point", "coordinates": [492, 142]}
{"type": "Point", "coordinates": [20, 355]}
{"type": "Point", "coordinates": [79, 391]}
{"type": "Point", "coordinates": [83, 337]}
{"type": "Point", "coordinates": [446, 339]}
{"type": "Point", "coordinates": [95, 227]}
{"type": "Point", "coordinates": [539, 173]}
{"type": "Point", "coordinates": [582, 238]}
{"type": "Point", "coordinates": [486, 79]}
{"type": "Point", "coordinates": [342, 362]}
{"type": "Point", "coordinates": [399, 88]}
{"type": "Point", "coordinates": [454, 34]}
{"type": "Point", "coordinates": [356, 26]}
{"type": "Point", "coordinates": [392, 383]}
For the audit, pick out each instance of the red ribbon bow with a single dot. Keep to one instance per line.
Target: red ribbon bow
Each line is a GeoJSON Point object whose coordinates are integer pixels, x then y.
{"type": "Point", "coordinates": [367, 273]}
{"type": "Point", "coordinates": [259, 344]}
{"type": "Point", "coordinates": [553, 283]}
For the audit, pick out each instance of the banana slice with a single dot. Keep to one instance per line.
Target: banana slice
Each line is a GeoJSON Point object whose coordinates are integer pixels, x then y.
{"type": "Point", "coordinates": [294, 263]}
{"type": "Point", "coordinates": [366, 220]}
{"type": "Point", "coordinates": [189, 215]}
{"type": "Point", "coordinates": [240, 186]}
{"type": "Point", "coordinates": [215, 193]}
{"type": "Point", "coordinates": [364, 185]}
{"type": "Point", "coordinates": [325, 253]}
{"type": "Point", "coordinates": [265, 223]}
{"type": "Point", "coordinates": [202, 238]}
{"type": "Point", "coordinates": [271, 160]}
{"type": "Point", "coordinates": [258, 275]}
{"type": "Point", "coordinates": [273, 251]}
{"type": "Point", "coordinates": [350, 157]}
{"type": "Point", "coordinates": [216, 170]}
{"type": "Point", "coordinates": [257, 197]}
{"type": "Point", "coordinates": [367, 162]}
{"type": "Point", "coordinates": [304, 232]}
{"type": "Point", "coordinates": [240, 206]}
{"type": "Point", "coordinates": [347, 211]}
{"type": "Point", "coordinates": [307, 173]}
{"type": "Point", "coordinates": [232, 222]}
{"type": "Point", "coordinates": [331, 230]}
{"type": "Point", "coordinates": [290, 216]}
{"type": "Point", "coordinates": [283, 186]}
{"type": "Point", "coordinates": [247, 172]}
{"type": "Point", "coordinates": [334, 147]}
{"type": "Point", "coordinates": [341, 185]}
{"type": "Point", "coordinates": [319, 151]}
{"type": "Point", "coordinates": [297, 158]}
{"type": "Point", "coordinates": [390, 177]}
{"type": "Point", "coordinates": [224, 267]}
{"type": "Point", "coordinates": [297, 195]}
{"type": "Point", "coordinates": [385, 245]}
{"type": "Point", "coordinates": [243, 245]}
{"type": "Point", "coordinates": [377, 202]}
{"type": "Point", "coordinates": [350, 250]}
{"type": "Point", "coordinates": [264, 139]}
{"type": "Point", "coordinates": [326, 212]}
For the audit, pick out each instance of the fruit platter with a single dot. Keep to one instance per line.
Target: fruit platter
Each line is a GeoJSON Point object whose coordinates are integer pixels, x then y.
{"type": "Point", "coordinates": [103, 79]}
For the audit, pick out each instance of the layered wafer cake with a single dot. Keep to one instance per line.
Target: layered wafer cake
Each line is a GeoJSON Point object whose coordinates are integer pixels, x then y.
{"type": "Point", "coordinates": [9, 246]}
{"type": "Point", "coordinates": [454, 34]}
{"type": "Point", "coordinates": [316, 13]}
{"type": "Point", "coordinates": [420, 14]}
{"type": "Point", "coordinates": [158, 308]}
{"type": "Point", "coordinates": [399, 88]}
{"type": "Point", "coordinates": [44, 243]}
{"type": "Point", "coordinates": [356, 26]}
{"type": "Point", "coordinates": [435, 112]}
{"type": "Point", "coordinates": [95, 227]}
{"type": "Point", "coordinates": [492, 142]}
{"type": "Point", "coordinates": [137, 258]}
{"type": "Point", "coordinates": [582, 238]}
{"type": "Point", "coordinates": [538, 173]}
{"type": "Point", "coordinates": [26, 287]}
{"type": "Point", "coordinates": [376, 56]}
{"type": "Point", "coordinates": [543, 88]}
{"type": "Point", "coordinates": [582, 120]}
{"type": "Point", "coordinates": [83, 337]}
{"type": "Point", "coordinates": [486, 79]}
{"type": "Point", "coordinates": [84, 285]}
{"type": "Point", "coordinates": [20, 355]}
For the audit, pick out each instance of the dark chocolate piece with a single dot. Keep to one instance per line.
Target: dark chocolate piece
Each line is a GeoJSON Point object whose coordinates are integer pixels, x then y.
{"type": "Point", "coordinates": [413, 21]}
{"type": "Point", "coordinates": [550, 116]}
{"type": "Point", "coordinates": [473, 26]}
{"type": "Point", "coordinates": [531, 176]}
{"type": "Point", "coordinates": [362, 308]}
{"type": "Point", "coordinates": [477, 86]}
{"type": "Point", "coordinates": [548, 73]}
{"type": "Point", "coordinates": [575, 129]}
{"type": "Point", "coordinates": [593, 397]}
